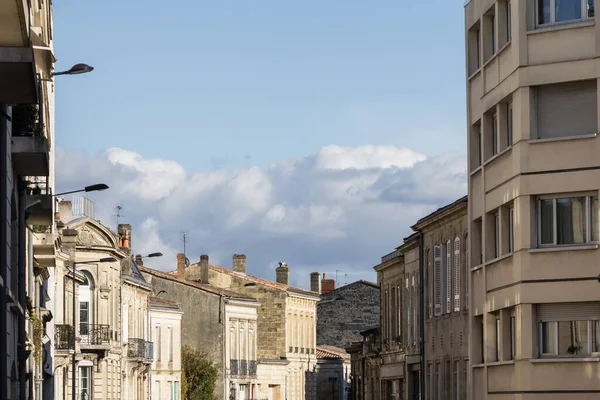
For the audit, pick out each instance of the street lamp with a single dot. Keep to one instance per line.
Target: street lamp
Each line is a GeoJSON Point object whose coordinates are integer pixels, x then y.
{"type": "Point", "coordinates": [76, 70]}
{"type": "Point", "coordinates": [92, 188]}
{"type": "Point", "coordinates": [74, 363]}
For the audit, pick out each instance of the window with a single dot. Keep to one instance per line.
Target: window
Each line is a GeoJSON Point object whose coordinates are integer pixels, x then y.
{"type": "Point", "coordinates": [509, 124]}
{"type": "Point", "coordinates": [467, 272]}
{"type": "Point", "coordinates": [566, 109]}
{"type": "Point", "coordinates": [476, 155]}
{"type": "Point", "coordinates": [508, 22]}
{"type": "Point", "coordinates": [494, 134]}
{"type": "Point", "coordinates": [414, 310]}
{"type": "Point", "coordinates": [497, 235]}
{"type": "Point", "coordinates": [85, 382]}
{"type": "Point", "coordinates": [457, 267]}
{"type": "Point", "coordinates": [431, 284]}
{"type": "Point", "coordinates": [567, 220]}
{"type": "Point", "coordinates": [170, 344]}
{"type": "Point", "coordinates": [513, 336]}
{"type": "Point", "coordinates": [448, 271]}
{"type": "Point", "coordinates": [474, 49]}
{"type": "Point", "coordinates": [511, 229]}
{"type": "Point", "coordinates": [498, 338]}
{"type": "Point", "coordinates": [438, 381]}
{"type": "Point", "coordinates": [557, 11]}
{"type": "Point", "coordinates": [408, 315]}
{"type": "Point", "coordinates": [157, 342]}
{"type": "Point", "coordinates": [437, 278]}
{"type": "Point", "coordinates": [429, 381]}
{"type": "Point", "coordinates": [457, 376]}
{"type": "Point", "coordinates": [569, 329]}
{"type": "Point", "coordinates": [489, 33]}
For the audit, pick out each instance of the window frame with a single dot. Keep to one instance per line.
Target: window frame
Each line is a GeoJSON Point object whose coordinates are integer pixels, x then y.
{"type": "Point", "coordinates": [584, 11]}
{"type": "Point", "coordinates": [555, 354]}
{"type": "Point", "coordinates": [498, 348]}
{"type": "Point", "coordinates": [494, 134]}
{"type": "Point", "coordinates": [497, 234]}
{"type": "Point", "coordinates": [509, 123]}
{"type": "Point", "coordinates": [513, 334]}
{"type": "Point", "coordinates": [508, 23]}
{"type": "Point", "coordinates": [588, 219]}
{"type": "Point", "coordinates": [511, 229]}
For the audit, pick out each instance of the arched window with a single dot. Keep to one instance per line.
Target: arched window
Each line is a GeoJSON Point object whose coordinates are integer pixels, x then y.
{"type": "Point", "coordinates": [85, 306]}
{"type": "Point", "coordinates": [437, 279]}
{"type": "Point", "coordinates": [457, 267]}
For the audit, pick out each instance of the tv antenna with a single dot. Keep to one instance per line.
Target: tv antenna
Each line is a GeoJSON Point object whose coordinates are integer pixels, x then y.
{"type": "Point", "coordinates": [187, 260]}
{"type": "Point", "coordinates": [119, 208]}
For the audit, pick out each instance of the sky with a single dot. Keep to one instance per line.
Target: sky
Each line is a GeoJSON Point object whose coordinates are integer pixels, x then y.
{"type": "Point", "coordinates": [310, 132]}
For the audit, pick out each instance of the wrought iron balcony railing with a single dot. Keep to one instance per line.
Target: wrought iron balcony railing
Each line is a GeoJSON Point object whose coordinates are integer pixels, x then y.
{"type": "Point", "coordinates": [94, 335]}
{"type": "Point", "coordinates": [64, 337]}
{"type": "Point", "coordinates": [140, 348]}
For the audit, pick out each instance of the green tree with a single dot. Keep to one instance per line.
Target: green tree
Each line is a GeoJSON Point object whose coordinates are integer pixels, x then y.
{"type": "Point", "coordinates": [199, 375]}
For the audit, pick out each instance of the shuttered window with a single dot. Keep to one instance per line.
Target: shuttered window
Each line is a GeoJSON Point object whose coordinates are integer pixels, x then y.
{"type": "Point", "coordinates": [566, 109]}
{"type": "Point", "coordinates": [467, 273]}
{"type": "Point", "coordinates": [448, 276]}
{"type": "Point", "coordinates": [437, 279]}
{"type": "Point", "coordinates": [457, 266]}
{"type": "Point", "coordinates": [569, 311]}
{"type": "Point", "coordinates": [414, 311]}
{"type": "Point", "coordinates": [408, 315]}
{"type": "Point", "coordinates": [431, 279]}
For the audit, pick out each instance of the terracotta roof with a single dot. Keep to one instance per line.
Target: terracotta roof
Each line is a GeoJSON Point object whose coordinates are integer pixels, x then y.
{"type": "Point", "coordinates": [326, 351]}
{"type": "Point", "coordinates": [201, 286]}
{"type": "Point", "coordinates": [258, 281]}
{"type": "Point", "coordinates": [162, 302]}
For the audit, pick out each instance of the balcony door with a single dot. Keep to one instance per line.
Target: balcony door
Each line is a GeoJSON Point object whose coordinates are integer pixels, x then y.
{"type": "Point", "coordinates": [85, 311]}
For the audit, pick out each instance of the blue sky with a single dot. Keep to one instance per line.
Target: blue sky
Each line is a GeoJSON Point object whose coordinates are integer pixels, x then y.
{"type": "Point", "coordinates": [230, 84]}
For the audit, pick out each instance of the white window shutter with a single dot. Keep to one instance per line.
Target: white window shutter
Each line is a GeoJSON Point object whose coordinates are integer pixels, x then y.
{"type": "Point", "coordinates": [125, 322]}
{"type": "Point", "coordinates": [437, 279]}
{"type": "Point", "coordinates": [457, 274]}
{"type": "Point", "coordinates": [431, 284]}
{"type": "Point", "coordinates": [448, 276]}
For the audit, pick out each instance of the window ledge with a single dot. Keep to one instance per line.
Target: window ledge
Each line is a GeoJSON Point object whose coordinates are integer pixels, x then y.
{"type": "Point", "coordinates": [478, 365]}
{"type": "Point", "coordinates": [474, 74]}
{"type": "Point", "coordinates": [476, 170]}
{"type": "Point", "coordinates": [475, 268]}
{"type": "Point", "coordinates": [496, 54]}
{"type": "Point", "coordinates": [497, 155]}
{"type": "Point", "coordinates": [497, 363]}
{"type": "Point", "coordinates": [498, 259]}
{"type": "Point", "coordinates": [562, 25]}
{"type": "Point", "coordinates": [564, 248]}
{"type": "Point", "coordinates": [560, 139]}
{"type": "Point", "coordinates": [566, 359]}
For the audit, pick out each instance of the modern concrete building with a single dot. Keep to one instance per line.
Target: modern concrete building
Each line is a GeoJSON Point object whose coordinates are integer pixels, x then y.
{"type": "Point", "coordinates": [534, 176]}
{"type": "Point", "coordinates": [446, 326]}
{"type": "Point", "coordinates": [165, 331]}
{"type": "Point", "coordinates": [346, 311]}
{"type": "Point", "coordinates": [26, 183]}
{"type": "Point", "coordinates": [286, 326]}
{"type": "Point", "coordinates": [332, 373]}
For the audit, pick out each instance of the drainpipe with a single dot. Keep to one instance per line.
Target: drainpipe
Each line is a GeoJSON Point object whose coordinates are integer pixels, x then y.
{"type": "Point", "coordinates": [22, 295]}
{"type": "Point", "coordinates": [3, 240]}
{"type": "Point", "coordinates": [421, 317]}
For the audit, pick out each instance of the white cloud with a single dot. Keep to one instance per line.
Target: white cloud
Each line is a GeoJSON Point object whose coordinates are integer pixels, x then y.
{"type": "Point", "coordinates": [339, 209]}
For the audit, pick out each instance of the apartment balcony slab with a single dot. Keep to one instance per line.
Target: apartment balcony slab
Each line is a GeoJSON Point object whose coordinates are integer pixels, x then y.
{"type": "Point", "coordinates": [43, 249]}
{"type": "Point", "coordinates": [18, 84]}
{"type": "Point", "coordinates": [39, 207]}
{"type": "Point", "coordinates": [30, 155]}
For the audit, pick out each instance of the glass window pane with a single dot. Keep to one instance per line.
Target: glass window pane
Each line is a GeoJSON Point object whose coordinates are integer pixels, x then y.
{"type": "Point", "coordinates": [547, 221]}
{"type": "Point", "coordinates": [590, 8]}
{"type": "Point", "coordinates": [513, 337]}
{"type": "Point", "coordinates": [570, 220]}
{"type": "Point", "coordinates": [595, 222]}
{"type": "Point", "coordinates": [548, 337]}
{"type": "Point", "coordinates": [573, 337]}
{"type": "Point", "coordinates": [596, 336]}
{"type": "Point", "coordinates": [543, 11]}
{"type": "Point", "coordinates": [567, 10]}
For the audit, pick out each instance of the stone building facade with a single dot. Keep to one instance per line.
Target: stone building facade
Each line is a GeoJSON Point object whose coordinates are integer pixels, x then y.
{"type": "Point", "coordinates": [365, 366]}
{"type": "Point", "coordinates": [346, 311]}
{"type": "Point", "coordinates": [332, 373]}
{"type": "Point", "coordinates": [218, 322]}
{"type": "Point", "coordinates": [286, 326]}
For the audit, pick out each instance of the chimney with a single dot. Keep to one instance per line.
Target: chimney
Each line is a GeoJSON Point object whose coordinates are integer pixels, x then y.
{"type": "Point", "coordinates": [204, 268]}
{"type": "Point", "coordinates": [327, 285]}
{"type": "Point", "coordinates": [65, 211]}
{"type": "Point", "coordinates": [138, 260]}
{"type": "Point", "coordinates": [315, 282]}
{"type": "Point", "coordinates": [283, 273]}
{"type": "Point", "coordinates": [239, 263]}
{"type": "Point", "coordinates": [181, 265]}
{"type": "Point", "coordinates": [124, 231]}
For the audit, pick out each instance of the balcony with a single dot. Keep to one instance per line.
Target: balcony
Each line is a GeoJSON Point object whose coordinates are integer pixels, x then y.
{"type": "Point", "coordinates": [252, 369]}
{"type": "Point", "coordinates": [29, 145]}
{"type": "Point", "coordinates": [94, 335]}
{"type": "Point", "coordinates": [39, 203]}
{"type": "Point", "coordinates": [43, 246]}
{"type": "Point", "coordinates": [140, 349]}
{"type": "Point", "coordinates": [64, 337]}
{"type": "Point", "coordinates": [234, 367]}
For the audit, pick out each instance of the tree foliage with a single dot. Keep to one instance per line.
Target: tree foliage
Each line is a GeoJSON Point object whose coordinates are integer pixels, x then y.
{"type": "Point", "coordinates": [199, 375]}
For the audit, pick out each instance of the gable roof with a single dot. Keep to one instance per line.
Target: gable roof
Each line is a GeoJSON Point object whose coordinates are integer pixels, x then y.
{"type": "Point", "coordinates": [202, 286]}
{"type": "Point", "coordinates": [359, 282]}
{"type": "Point", "coordinates": [109, 235]}
{"type": "Point", "coordinates": [331, 352]}
{"type": "Point", "coordinates": [257, 280]}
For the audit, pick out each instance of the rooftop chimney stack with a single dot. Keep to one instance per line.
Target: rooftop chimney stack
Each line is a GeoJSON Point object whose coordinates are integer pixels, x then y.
{"type": "Point", "coordinates": [327, 285]}
{"type": "Point", "coordinates": [239, 263]}
{"type": "Point", "coordinates": [138, 260]}
{"type": "Point", "coordinates": [65, 211]}
{"type": "Point", "coordinates": [181, 265]}
{"type": "Point", "coordinates": [315, 282]}
{"type": "Point", "coordinates": [204, 268]}
{"type": "Point", "coordinates": [124, 231]}
{"type": "Point", "coordinates": [283, 273]}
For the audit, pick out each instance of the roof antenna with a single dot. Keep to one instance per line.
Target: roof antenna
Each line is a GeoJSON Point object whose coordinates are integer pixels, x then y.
{"type": "Point", "coordinates": [187, 260]}
{"type": "Point", "coordinates": [345, 279]}
{"type": "Point", "coordinates": [118, 214]}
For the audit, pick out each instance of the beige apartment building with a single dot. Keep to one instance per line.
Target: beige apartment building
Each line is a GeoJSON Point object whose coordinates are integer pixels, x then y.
{"type": "Point", "coordinates": [534, 176]}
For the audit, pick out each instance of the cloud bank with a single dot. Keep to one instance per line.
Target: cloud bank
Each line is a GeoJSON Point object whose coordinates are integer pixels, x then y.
{"type": "Point", "coordinates": [340, 209]}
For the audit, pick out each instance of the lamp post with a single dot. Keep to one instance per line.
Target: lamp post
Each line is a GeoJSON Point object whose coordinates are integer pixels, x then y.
{"type": "Point", "coordinates": [73, 361]}
{"type": "Point", "coordinates": [92, 188]}
{"type": "Point", "coordinates": [76, 70]}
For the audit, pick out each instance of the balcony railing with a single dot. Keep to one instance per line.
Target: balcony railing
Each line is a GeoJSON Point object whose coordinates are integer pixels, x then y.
{"type": "Point", "coordinates": [94, 335]}
{"type": "Point", "coordinates": [234, 367]}
{"type": "Point", "coordinates": [244, 367]}
{"type": "Point", "coordinates": [64, 337]}
{"type": "Point", "coordinates": [140, 348]}
{"type": "Point", "coordinates": [252, 370]}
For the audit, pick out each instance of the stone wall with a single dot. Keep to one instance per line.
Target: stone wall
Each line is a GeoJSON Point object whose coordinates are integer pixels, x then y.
{"type": "Point", "coordinates": [341, 321]}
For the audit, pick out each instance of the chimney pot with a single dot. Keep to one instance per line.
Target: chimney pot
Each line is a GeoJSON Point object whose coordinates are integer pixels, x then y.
{"type": "Point", "coordinates": [204, 268]}
{"type": "Point", "coordinates": [315, 282]}
{"type": "Point", "coordinates": [138, 260]}
{"type": "Point", "coordinates": [327, 285]}
{"type": "Point", "coordinates": [239, 263]}
{"type": "Point", "coordinates": [181, 265]}
{"type": "Point", "coordinates": [124, 231]}
{"type": "Point", "coordinates": [282, 273]}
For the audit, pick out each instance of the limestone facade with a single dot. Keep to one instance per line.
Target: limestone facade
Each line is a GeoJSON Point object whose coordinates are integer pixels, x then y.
{"type": "Point", "coordinates": [365, 366]}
